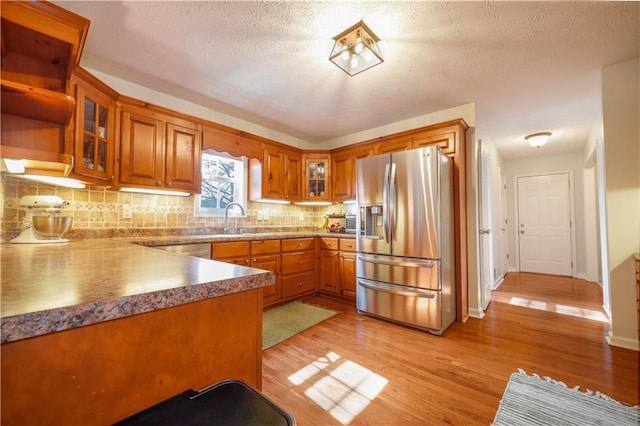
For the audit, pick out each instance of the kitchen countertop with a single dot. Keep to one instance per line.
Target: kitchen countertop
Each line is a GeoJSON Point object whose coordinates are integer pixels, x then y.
{"type": "Point", "coordinates": [54, 287]}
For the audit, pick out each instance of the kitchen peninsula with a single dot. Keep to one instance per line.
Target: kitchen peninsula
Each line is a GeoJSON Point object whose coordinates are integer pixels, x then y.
{"type": "Point", "coordinates": [96, 330]}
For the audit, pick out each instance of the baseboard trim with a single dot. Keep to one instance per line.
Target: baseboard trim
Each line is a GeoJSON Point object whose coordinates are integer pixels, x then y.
{"type": "Point", "coordinates": [512, 269]}
{"type": "Point", "coordinates": [580, 276]}
{"type": "Point", "coordinates": [623, 342]}
{"type": "Point", "coordinates": [476, 313]}
{"type": "Point", "coordinates": [497, 282]}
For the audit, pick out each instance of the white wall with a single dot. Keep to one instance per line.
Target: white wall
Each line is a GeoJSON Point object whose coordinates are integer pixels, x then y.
{"type": "Point", "coordinates": [542, 165]}
{"type": "Point", "coordinates": [621, 109]}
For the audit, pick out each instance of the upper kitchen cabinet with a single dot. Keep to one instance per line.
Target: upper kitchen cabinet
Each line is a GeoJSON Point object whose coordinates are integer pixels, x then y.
{"type": "Point", "coordinates": [159, 151]}
{"type": "Point", "coordinates": [41, 45]}
{"type": "Point", "coordinates": [95, 128]}
{"type": "Point", "coordinates": [316, 174]}
{"type": "Point", "coordinates": [343, 171]}
{"type": "Point", "coordinates": [278, 176]}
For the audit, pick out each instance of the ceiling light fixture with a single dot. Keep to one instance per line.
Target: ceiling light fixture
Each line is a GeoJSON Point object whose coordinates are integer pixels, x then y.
{"type": "Point", "coordinates": [537, 139]}
{"type": "Point", "coordinates": [356, 49]}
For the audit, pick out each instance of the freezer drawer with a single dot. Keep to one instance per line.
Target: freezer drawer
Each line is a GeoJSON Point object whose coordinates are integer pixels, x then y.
{"type": "Point", "coordinates": [423, 273]}
{"type": "Point", "coordinates": [414, 307]}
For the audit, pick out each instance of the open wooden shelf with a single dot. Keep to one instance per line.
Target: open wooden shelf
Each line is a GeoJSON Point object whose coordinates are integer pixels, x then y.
{"type": "Point", "coordinates": [36, 103]}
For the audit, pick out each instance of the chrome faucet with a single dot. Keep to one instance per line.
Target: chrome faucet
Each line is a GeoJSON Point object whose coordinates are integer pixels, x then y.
{"type": "Point", "coordinates": [226, 215]}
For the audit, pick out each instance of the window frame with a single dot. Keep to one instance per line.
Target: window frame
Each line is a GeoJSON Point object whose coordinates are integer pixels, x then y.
{"type": "Point", "coordinates": [240, 195]}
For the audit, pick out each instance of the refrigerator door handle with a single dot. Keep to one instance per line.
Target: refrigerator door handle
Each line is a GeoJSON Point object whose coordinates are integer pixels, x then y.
{"type": "Point", "coordinates": [410, 264]}
{"type": "Point", "coordinates": [385, 204]}
{"type": "Point", "coordinates": [393, 202]}
{"type": "Point", "coordinates": [394, 289]}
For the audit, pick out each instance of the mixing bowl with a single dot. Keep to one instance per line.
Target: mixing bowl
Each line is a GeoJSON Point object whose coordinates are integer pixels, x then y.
{"type": "Point", "coordinates": [52, 226]}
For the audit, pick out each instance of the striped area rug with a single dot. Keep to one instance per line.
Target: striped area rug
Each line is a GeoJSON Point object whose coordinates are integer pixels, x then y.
{"type": "Point", "coordinates": [531, 400]}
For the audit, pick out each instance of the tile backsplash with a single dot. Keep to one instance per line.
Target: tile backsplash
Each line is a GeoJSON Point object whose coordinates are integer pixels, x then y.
{"type": "Point", "coordinates": [98, 213]}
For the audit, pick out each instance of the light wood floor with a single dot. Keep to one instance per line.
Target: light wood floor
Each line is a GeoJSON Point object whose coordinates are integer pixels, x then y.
{"type": "Point", "coordinates": [352, 369]}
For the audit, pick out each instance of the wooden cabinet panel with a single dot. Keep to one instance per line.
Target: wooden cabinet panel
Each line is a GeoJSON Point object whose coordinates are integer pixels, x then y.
{"type": "Point", "coordinates": [327, 243]}
{"type": "Point", "coordinates": [393, 146]}
{"type": "Point", "coordinates": [298, 244]}
{"type": "Point", "coordinates": [230, 249]}
{"type": "Point", "coordinates": [340, 172]}
{"type": "Point", "coordinates": [347, 244]}
{"type": "Point", "coordinates": [265, 246]}
{"type": "Point", "coordinates": [298, 284]}
{"type": "Point", "coordinates": [95, 129]}
{"type": "Point", "coordinates": [343, 175]}
{"type": "Point", "coordinates": [272, 173]}
{"type": "Point", "coordinates": [271, 294]}
{"type": "Point", "coordinates": [231, 141]}
{"type": "Point", "coordinates": [316, 174]}
{"type": "Point", "coordinates": [278, 177]}
{"type": "Point", "coordinates": [347, 274]}
{"type": "Point", "coordinates": [141, 150]}
{"type": "Point", "coordinates": [329, 271]}
{"type": "Point", "coordinates": [293, 263]}
{"type": "Point", "coordinates": [292, 176]}
{"type": "Point", "coordinates": [446, 140]}
{"type": "Point", "coordinates": [158, 151]}
{"type": "Point", "coordinates": [183, 158]}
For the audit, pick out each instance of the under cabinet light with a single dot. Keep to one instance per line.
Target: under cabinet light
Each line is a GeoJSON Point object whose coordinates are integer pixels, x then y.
{"type": "Point", "coordinates": [266, 201]}
{"type": "Point", "coordinates": [313, 203]}
{"type": "Point", "coordinates": [155, 191]}
{"type": "Point", "coordinates": [54, 180]}
{"type": "Point", "coordinates": [13, 165]}
{"type": "Point", "coordinates": [349, 202]}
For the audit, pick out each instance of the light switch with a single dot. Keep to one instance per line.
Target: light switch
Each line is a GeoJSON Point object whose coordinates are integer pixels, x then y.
{"type": "Point", "coordinates": [127, 211]}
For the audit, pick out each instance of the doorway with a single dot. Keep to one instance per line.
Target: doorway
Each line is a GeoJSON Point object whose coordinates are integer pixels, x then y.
{"type": "Point", "coordinates": [544, 217]}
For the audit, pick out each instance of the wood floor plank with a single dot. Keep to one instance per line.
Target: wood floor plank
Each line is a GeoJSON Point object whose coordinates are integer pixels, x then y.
{"type": "Point", "coordinates": [458, 378]}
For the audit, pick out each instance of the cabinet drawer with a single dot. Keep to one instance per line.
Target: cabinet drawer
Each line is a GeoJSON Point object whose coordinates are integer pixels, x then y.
{"type": "Point", "coordinates": [347, 244]}
{"type": "Point", "coordinates": [298, 244]}
{"type": "Point", "coordinates": [230, 249]}
{"type": "Point", "coordinates": [293, 263]}
{"type": "Point", "coordinates": [297, 284]}
{"type": "Point", "coordinates": [240, 260]}
{"type": "Point", "coordinates": [328, 243]}
{"type": "Point", "coordinates": [265, 246]}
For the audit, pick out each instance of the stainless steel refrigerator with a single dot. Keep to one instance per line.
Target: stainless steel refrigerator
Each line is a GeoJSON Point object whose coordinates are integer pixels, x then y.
{"type": "Point", "coordinates": [405, 265]}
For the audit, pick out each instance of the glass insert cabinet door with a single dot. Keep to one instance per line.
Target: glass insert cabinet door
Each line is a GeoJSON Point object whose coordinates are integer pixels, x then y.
{"type": "Point", "coordinates": [94, 134]}
{"type": "Point", "coordinates": [317, 179]}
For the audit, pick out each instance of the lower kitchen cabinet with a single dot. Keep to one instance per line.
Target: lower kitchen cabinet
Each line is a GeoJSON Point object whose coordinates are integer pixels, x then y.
{"type": "Point", "coordinates": [338, 266]}
{"type": "Point", "coordinates": [236, 252]}
{"type": "Point", "coordinates": [265, 254]}
{"type": "Point", "coordinates": [298, 267]}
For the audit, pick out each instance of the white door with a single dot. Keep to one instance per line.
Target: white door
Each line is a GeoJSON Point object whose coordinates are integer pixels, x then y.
{"type": "Point", "coordinates": [504, 233]}
{"type": "Point", "coordinates": [484, 225]}
{"type": "Point", "coordinates": [544, 224]}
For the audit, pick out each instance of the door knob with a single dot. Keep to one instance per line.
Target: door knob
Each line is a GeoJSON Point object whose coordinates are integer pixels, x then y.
{"type": "Point", "coordinates": [522, 231]}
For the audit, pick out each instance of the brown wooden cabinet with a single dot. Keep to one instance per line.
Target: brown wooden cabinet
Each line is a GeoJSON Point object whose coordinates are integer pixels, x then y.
{"type": "Point", "coordinates": [298, 267]}
{"type": "Point", "coordinates": [94, 128]}
{"type": "Point", "coordinates": [316, 173]}
{"type": "Point", "coordinates": [347, 267]}
{"type": "Point", "coordinates": [41, 45]}
{"type": "Point", "coordinates": [343, 171]}
{"type": "Point", "coordinates": [158, 151]}
{"type": "Point", "coordinates": [338, 263]}
{"type": "Point", "coordinates": [265, 254]}
{"type": "Point", "coordinates": [278, 176]}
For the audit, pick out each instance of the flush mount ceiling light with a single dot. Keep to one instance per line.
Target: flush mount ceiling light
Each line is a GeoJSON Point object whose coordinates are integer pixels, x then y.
{"type": "Point", "coordinates": [537, 139]}
{"type": "Point", "coordinates": [356, 49]}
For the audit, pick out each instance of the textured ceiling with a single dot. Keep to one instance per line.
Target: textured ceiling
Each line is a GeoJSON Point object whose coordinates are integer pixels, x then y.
{"type": "Point", "coordinates": [528, 66]}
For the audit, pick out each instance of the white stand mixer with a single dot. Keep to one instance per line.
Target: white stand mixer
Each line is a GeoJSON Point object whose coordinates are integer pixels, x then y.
{"type": "Point", "coordinates": [43, 225]}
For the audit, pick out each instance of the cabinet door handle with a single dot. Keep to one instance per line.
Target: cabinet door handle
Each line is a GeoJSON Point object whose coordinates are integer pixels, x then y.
{"type": "Point", "coordinates": [300, 262]}
{"type": "Point", "coordinates": [158, 183]}
{"type": "Point", "coordinates": [300, 284]}
{"type": "Point", "coordinates": [170, 184]}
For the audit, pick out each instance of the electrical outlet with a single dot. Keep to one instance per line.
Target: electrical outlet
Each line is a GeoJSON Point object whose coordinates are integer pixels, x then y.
{"type": "Point", "coordinates": [260, 215]}
{"type": "Point", "coordinates": [301, 216]}
{"type": "Point", "coordinates": [127, 212]}
{"type": "Point", "coordinates": [265, 215]}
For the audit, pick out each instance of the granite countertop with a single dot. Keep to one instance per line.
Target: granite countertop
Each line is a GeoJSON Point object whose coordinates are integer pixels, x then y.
{"type": "Point", "coordinates": [54, 287]}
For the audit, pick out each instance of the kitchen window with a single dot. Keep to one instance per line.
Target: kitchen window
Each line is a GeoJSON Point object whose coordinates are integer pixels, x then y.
{"type": "Point", "coordinates": [224, 180]}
